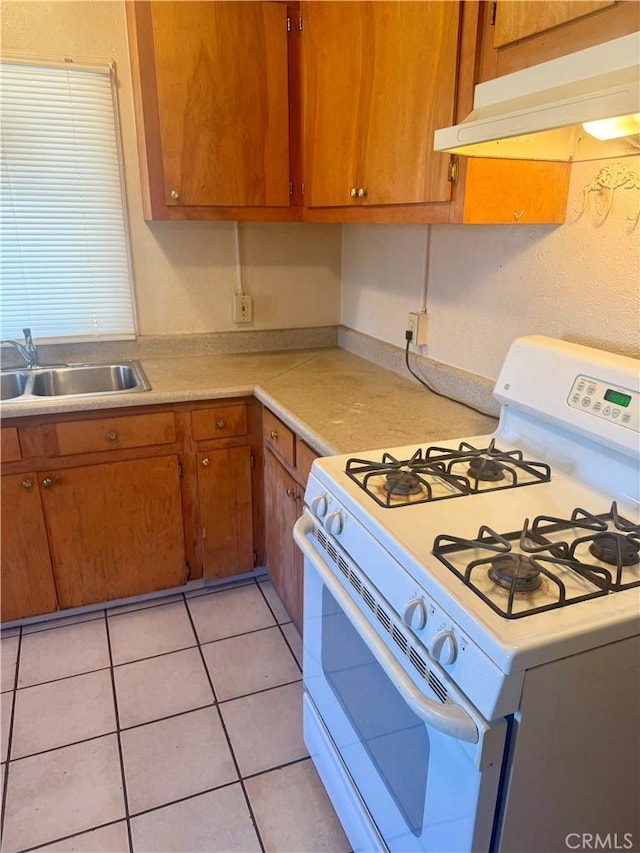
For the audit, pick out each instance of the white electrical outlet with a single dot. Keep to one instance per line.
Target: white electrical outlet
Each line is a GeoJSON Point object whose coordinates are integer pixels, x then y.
{"type": "Point", "coordinates": [417, 325]}
{"type": "Point", "coordinates": [242, 308]}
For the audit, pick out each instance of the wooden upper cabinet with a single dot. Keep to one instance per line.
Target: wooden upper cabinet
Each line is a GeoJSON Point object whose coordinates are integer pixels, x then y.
{"type": "Point", "coordinates": [517, 20]}
{"type": "Point", "coordinates": [211, 85]}
{"type": "Point", "coordinates": [521, 33]}
{"type": "Point", "coordinates": [378, 78]}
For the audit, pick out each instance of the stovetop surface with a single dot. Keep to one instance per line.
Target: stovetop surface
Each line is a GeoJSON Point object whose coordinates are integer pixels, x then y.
{"type": "Point", "coordinates": [408, 534]}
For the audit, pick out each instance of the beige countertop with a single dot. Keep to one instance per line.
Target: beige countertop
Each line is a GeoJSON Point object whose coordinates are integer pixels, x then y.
{"type": "Point", "coordinates": [337, 401]}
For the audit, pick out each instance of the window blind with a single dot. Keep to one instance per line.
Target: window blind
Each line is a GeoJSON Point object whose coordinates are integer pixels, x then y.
{"type": "Point", "coordinates": [65, 268]}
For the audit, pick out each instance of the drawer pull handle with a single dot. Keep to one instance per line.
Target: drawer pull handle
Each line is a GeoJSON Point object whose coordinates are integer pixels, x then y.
{"type": "Point", "coordinates": [206, 461]}
{"type": "Point", "coordinates": [112, 436]}
{"type": "Point", "coordinates": [219, 424]}
{"type": "Point", "coordinates": [47, 482]}
{"type": "Point", "coordinates": [27, 484]}
{"type": "Point", "coordinates": [274, 434]}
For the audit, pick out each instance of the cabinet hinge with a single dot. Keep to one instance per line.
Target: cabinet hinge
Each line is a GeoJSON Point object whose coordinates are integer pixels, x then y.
{"type": "Point", "coordinates": [187, 570]}
{"type": "Point", "coordinates": [252, 460]}
{"type": "Point", "coordinates": [288, 24]}
{"type": "Point", "coordinates": [255, 559]}
{"type": "Point", "coordinates": [492, 14]}
{"type": "Point", "coordinates": [300, 23]}
{"type": "Point", "coordinates": [452, 170]}
{"type": "Point", "coordinates": [302, 187]}
{"type": "Point", "coordinates": [290, 187]}
{"type": "Point", "coordinates": [180, 471]}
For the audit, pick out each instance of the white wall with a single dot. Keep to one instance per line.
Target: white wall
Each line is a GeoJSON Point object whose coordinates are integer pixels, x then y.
{"type": "Point", "coordinates": [489, 284]}
{"type": "Point", "coordinates": [185, 272]}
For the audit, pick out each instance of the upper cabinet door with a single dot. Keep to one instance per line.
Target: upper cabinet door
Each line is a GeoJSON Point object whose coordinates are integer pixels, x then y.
{"type": "Point", "coordinates": [222, 90]}
{"type": "Point", "coordinates": [517, 20]}
{"type": "Point", "coordinates": [521, 33]}
{"type": "Point", "coordinates": [378, 78]}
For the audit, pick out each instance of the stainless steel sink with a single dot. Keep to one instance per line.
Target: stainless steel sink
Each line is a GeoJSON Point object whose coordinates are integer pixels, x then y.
{"type": "Point", "coordinates": [12, 384]}
{"type": "Point", "coordinates": [74, 380]}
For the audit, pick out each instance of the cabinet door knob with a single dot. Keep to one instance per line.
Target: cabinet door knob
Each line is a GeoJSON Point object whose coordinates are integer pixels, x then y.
{"type": "Point", "coordinates": [206, 461]}
{"type": "Point", "coordinates": [273, 434]}
{"type": "Point", "coordinates": [219, 424]}
{"type": "Point", "coordinates": [112, 436]}
{"type": "Point", "coordinates": [362, 192]}
{"type": "Point", "coordinates": [354, 192]}
{"type": "Point", "coordinates": [47, 482]}
{"type": "Point", "coordinates": [175, 195]}
{"type": "Point", "coordinates": [27, 484]}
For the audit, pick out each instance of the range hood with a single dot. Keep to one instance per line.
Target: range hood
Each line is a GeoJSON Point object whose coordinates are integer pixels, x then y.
{"type": "Point", "coordinates": [538, 113]}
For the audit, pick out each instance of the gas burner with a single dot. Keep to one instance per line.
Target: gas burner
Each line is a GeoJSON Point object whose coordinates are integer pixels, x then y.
{"type": "Point", "coordinates": [615, 549]}
{"type": "Point", "coordinates": [487, 470]}
{"type": "Point", "coordinates": [515, 572]}
{"type": "Point", "coordinates": [436, 473]}
{"type": "Point", "coordinates": [402, 483]}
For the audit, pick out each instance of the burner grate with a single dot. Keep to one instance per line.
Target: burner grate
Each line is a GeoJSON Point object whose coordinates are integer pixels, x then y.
{"type": "Point", "coordinates": [543, 558]}
{"type": "Point", "coordinates": [438, 473]}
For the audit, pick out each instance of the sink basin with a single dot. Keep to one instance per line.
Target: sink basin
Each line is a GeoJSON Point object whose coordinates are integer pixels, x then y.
{"type": "Point", "coordinates": [12, 385]}
{"type": "Point", "coordinates": [86, 379]}
{"type": "Point", "coordinates": [73, 380]}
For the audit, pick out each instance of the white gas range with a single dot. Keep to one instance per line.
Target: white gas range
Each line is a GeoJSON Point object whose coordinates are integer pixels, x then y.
{"type": "Point", "coordinates": [472, 613]}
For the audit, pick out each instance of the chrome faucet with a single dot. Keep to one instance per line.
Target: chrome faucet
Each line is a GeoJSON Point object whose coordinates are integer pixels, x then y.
{"type": "Point", "coordinates": [28, 350]}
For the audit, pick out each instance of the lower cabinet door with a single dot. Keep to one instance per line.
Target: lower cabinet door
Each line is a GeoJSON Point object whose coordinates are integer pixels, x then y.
{"type": "Point", "coordinates": [115, 530]}
{"type": "Point", "coordinates": [27, 579]}
{"type": "Point", "coordinates": [282, 508]}
{"type": "Point", "coordinates": [226, 515]}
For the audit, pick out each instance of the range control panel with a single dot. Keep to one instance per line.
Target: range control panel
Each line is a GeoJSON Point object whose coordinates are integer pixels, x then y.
{"type": "Point", "coordinates": [609, 402]}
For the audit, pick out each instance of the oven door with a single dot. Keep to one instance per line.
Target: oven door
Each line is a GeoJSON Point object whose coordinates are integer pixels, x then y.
{"type": "Point", "coordinates": [408, 762]}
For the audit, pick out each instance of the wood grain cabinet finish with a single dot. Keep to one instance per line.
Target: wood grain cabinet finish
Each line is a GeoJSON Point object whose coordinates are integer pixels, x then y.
{"type": "Point", "coordinates": [286, 468]}
{"type": "Point", "coordinates": [378, 79]}
{"type": "Point", "coordinates": [211, 86]}
{"type": "Point", "coordinates": [519, 34]}
{"type": "Point", "coordinates": [226, 515]}
{"type": "Point", "coordinates": [115, 530]}
{"type": "Point", "coordinates": [115, 433]}
{"type": "Point", "coordinates": [28, 587]}
{"type": "Point", "coordinates": [176, 496]}
{"type": "Point", "coordinates": [9, 445]}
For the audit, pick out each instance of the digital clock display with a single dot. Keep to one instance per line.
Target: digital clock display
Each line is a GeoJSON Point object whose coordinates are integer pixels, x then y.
{"type": "Point", "coordinates": [617, 398]}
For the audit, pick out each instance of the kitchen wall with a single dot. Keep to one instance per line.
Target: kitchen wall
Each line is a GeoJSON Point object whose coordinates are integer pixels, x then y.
{"type": "Point", "coordinates": [485, 285]}
{"type": "Point", "coordinates": [185, 272]}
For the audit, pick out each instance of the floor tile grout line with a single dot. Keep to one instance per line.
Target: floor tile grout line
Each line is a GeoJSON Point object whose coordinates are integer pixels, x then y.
{"type": "Point", "coordinates": [254, 820]}
{"type": "Point", "coordinates": [50, 624]}
{"type": "Point", "coordinates": [279, 625]}
{"type": "Point", "coordinates": [68, 837]}
{"type": "Point", "coordinates": [62, 746]}
{"type": "Point", "coordinates": [5, 788]}
{"type": "Point", "coordinates": [119, 737]}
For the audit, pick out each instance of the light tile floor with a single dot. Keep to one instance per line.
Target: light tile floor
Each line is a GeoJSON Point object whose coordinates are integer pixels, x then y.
{"type": "Point", "coordinates": [171, 725]}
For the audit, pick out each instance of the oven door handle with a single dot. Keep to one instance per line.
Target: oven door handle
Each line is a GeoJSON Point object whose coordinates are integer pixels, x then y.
{"type": "Point", "coordinates": [449, 719]}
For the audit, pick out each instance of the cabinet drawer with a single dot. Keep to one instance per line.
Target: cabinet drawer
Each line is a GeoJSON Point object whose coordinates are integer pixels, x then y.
{"type": "Point", "coordinates": [279, 437]}
{"type": "Point", "coordinates": [220, 422]}
{"type": "Point", "coordinates": [115, 433]}
{"type": "Point", "coordinates": [10, 445]}
{"type": "Point", "coordinates": [304, 457]}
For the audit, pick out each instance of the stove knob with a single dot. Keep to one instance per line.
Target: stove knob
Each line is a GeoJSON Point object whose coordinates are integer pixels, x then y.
{"type": "Point", "coordinates": [415, 614]}
{"type": "Point", "coordinates": [443, 647]}
{"type": "Point", "coordinates": [333, 523]}
{"type": "Point", "coordinates": [319, 506]}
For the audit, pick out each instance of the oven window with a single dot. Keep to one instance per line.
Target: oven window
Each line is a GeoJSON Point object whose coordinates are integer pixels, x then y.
{"type": "Point", "coordinates": [396, 740]}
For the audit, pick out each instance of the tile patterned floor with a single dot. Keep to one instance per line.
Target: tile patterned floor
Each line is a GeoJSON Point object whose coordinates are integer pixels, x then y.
{"type": "Point", "coordinates": [171, 725]}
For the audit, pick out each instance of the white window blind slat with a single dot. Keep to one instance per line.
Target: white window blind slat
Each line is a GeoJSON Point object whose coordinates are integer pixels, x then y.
{"type": "Point", "coordinates": [65, 268]}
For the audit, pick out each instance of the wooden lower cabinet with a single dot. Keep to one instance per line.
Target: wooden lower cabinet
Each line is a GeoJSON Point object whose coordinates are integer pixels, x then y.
{"type": "Point", "coordinates": [104, 506]}
{"type": "Point", "coordinates": [27, 580]}
{"type": "Point", "coordinates": [226, 516]}
{"type": "Point", "coordinates": [115, 530]}
{"type": "Point", "coordinates": [283, 506]}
